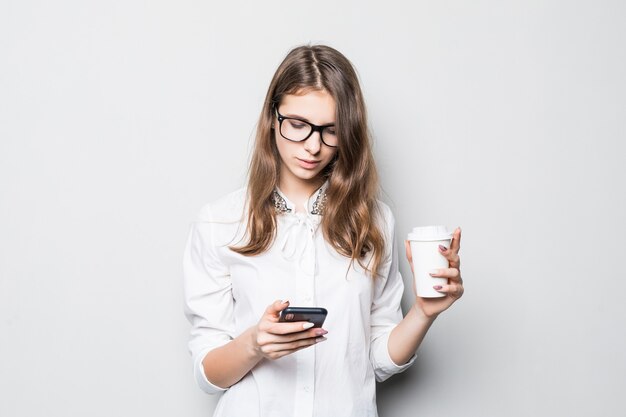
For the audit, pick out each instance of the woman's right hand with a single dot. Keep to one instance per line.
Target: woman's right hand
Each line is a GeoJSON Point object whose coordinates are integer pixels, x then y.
{"type": "Point", "coordinates": [273, 340]}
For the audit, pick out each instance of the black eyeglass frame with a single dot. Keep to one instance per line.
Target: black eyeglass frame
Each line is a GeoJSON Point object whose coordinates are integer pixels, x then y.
{"type": "Point", "coordinates": [314, 128]}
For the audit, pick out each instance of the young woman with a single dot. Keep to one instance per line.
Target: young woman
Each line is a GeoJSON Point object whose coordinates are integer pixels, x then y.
{"type": "Point", "coordinates": [307, 231]}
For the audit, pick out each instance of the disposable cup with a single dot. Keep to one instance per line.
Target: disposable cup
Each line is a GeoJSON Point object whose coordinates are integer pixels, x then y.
{"type": "Point", "coordinates": [425, 243]}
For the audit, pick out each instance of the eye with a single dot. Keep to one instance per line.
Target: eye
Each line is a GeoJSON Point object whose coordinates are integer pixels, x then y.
{"type": "Point", "coordinates": [296, 124]}
{"type": "Point", "coordinates": [331, 130]}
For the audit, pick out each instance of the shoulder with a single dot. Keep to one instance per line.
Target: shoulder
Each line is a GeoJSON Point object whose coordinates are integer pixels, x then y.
{"type": "Point", "coordinates": [387, 224]}
{"type": "Point", "coordinates": [384, 210]}
{"type": "Point", "coordinates": [227, 209]}
{"type": "Point", "coordinates": [385, 216]}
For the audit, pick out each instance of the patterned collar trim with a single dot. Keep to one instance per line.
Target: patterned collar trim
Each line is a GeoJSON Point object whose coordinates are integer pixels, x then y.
{"type": "Point", "coordinates": [281, 206]}
{"type": "Point", "coordinates": [320, 202]}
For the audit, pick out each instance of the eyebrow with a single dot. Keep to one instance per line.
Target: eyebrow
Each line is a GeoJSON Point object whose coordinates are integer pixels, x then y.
{"type": "Point", "coordinates": [304, 119]}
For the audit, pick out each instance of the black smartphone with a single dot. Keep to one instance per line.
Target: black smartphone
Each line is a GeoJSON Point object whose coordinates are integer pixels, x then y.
{"type": "Point", "coordinates": [315, 315]}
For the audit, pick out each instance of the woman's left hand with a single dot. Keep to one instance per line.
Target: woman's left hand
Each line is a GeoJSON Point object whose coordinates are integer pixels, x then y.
{"type": "Point", "coordinates": [432, 307]}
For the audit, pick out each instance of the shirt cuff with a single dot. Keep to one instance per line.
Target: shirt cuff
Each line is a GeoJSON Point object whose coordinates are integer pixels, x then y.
{"type": "Point", "coordinates": [385, 366]}
{"type": "Point", "coordinates": [201, 379]}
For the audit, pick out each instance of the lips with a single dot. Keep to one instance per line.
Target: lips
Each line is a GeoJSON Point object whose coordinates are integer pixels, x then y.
{"type": "Point", "coordinates": [308, 163]}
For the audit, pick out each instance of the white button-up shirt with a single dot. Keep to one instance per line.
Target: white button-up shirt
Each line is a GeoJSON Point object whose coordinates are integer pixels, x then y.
{"type": "Point", "coordinates": [226, 293]}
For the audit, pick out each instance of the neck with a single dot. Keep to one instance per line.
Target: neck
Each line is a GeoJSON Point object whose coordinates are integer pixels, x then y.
{"type": "Point", "coordinates": [298, 191]}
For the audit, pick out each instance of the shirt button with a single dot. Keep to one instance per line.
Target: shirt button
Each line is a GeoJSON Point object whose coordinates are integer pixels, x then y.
{"type": "Point", "coordinates": [308, 299]}
{"type": "Point", "coordinates": [306, 388]}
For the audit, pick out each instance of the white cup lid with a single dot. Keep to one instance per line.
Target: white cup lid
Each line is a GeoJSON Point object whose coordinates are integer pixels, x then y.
{"type": "Point", "coordinates": [430, 233]}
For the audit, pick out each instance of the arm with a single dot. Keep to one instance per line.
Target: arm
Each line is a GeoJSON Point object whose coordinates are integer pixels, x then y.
{"type": "Point", "coordinates": [226, 365]}
{"type": "Point", "coordinates": [407, 336]}
{"type": "Point", "coordinates": [221, 358]}
{"type": "Point", "coordinates": [386, 312]}
{"type": "Point", "coordinates": [208, 298]}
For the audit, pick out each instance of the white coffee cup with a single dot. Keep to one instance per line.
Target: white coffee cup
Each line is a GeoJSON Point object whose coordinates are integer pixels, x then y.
{"type": "Point", "coordinates": [425, 243]}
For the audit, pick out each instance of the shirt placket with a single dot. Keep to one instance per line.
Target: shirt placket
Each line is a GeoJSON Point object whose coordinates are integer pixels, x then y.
{"type": "Point", "coordinates": [305, 359]}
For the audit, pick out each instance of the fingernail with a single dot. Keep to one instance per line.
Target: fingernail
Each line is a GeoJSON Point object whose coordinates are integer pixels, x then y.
{"type": "Point", "coordinates": [437, 287]}
{"type": "Point", "coordinates": [308, 325]}
{"type": "Point", "coordinates": [284, 301]}
{"type": "Point", "coordinates": [321, 332]}
{"type": "Point", "coordinates": [442, 248]}
{"type": "Point", "coordinates": [435, 272]}
{"type": "Point", "coordinates": [320, 339]}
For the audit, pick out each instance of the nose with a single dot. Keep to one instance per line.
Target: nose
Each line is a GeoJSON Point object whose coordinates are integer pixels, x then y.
{"type": "Point", "coordinates": [313, 144]}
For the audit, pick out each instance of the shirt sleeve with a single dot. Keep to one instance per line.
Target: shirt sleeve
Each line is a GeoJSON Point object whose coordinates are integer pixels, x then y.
{"type": "Point", "coordinates": [207, 296]}
{"type": "Point", "coordinates": [386, 310]}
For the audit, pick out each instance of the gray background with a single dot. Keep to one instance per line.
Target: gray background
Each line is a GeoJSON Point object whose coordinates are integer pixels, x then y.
{"type": "Point", "coordinates": [120, 119]}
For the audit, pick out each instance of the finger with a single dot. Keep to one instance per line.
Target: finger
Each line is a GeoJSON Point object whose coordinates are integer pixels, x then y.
{"type": "Point", "coordinates": [265, 338]}
{"type": "Point", "coordinates": [452, 274]}
{"type": "Point", "coordinates": [455, 246]}
{"type": "Point", "coordinates": [451, 256]}
{"type": "Point", "coordinates": [287, 328]}
{"type": "Point", "coordinates": [455, 261]}
{"type": "Point", "coordinates": [409, 255]}
{"type": "Point", "coordinates": [281, 353]}
{"type": "Point", "coordinates": [292, 337]}
{"type": "Point", "coordinates": [407, 248]}
{"type": "Point", "coordinates": [274, 309]}
{"type": "Point", "coordinates": [300, 344]}
{"type": "Point", "coordinates": [287, 348]}
{"type": "Point", "coordinates": [454, 290]}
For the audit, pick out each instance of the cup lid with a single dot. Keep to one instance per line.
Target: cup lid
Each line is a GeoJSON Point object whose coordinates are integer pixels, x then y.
{"type": "Point", "coordinates": [430, 233]}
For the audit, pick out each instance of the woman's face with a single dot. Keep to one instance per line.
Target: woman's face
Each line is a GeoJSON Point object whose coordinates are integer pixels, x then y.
{"type": "Point", "coordinates": [303, 162]}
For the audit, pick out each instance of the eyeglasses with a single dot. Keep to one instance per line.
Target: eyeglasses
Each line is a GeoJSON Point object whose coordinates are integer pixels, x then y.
{"type": "Point", "coordinates": [297, 130]}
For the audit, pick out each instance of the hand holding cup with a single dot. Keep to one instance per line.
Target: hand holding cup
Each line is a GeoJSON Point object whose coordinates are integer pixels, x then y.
{"type": "Point", "coordinates": [440, 295]}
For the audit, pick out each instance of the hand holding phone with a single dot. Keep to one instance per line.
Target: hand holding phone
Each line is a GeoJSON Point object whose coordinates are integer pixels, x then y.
{"type": "Point", "coordinates": [281, 330]}
{"type": "Point", "coordinates": [315, 315]}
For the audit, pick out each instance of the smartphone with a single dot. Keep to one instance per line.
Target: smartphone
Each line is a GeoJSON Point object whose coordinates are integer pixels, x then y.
{"type": "Point", "coordinates": [315, 315]}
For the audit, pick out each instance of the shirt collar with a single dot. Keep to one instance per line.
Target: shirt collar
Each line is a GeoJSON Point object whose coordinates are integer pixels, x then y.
{"type": "Point", "coordinates": [315, 204]}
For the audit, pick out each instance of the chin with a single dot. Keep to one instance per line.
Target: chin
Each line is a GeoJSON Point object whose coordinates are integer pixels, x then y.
{"type": "Point", "coordinates": [307, 175]}
{"type": "Point", "coordinates": [310, 177]}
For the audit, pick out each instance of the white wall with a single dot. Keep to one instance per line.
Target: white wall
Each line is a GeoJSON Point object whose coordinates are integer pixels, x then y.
{"type": "Point", "coordinates": [119, 119]}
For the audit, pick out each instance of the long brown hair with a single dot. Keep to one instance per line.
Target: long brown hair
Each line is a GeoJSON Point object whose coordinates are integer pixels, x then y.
{"type": "Point", "coordinates": [350, 219]}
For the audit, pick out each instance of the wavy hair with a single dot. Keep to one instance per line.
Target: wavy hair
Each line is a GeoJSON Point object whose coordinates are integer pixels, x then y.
{"type": "Point", "coordinates": [350, 218]}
